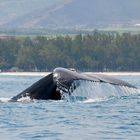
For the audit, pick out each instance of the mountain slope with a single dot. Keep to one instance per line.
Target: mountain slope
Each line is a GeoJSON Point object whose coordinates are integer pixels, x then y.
{"type": "Point", "coordinates": [68, 13]}
{"type": "Point", "coordinates": [98, 12]}
{"type": "Point", "coordinates": [17, 13]}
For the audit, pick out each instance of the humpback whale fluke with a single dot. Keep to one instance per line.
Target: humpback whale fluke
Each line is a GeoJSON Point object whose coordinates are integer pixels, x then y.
{"type": "Point", "coordinates": [61, 80]}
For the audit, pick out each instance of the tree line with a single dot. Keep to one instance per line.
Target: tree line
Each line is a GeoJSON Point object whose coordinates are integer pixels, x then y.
{"type": "Point", "coordinates": [98, 51]}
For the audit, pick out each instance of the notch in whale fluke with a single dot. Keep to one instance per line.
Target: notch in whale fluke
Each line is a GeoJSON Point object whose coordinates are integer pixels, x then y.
{"type": "Point", "coordinates": [61, 79]}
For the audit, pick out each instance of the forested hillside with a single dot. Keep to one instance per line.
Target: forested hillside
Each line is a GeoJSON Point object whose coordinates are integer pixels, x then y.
{"type": "Point", "coordinates": [96, 52]}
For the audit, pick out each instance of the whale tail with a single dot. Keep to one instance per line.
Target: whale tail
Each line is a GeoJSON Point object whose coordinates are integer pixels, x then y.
{"type": "Point", "coordinates": [63, 80]}
{"type": "Point", "coordinates": [43, 89]}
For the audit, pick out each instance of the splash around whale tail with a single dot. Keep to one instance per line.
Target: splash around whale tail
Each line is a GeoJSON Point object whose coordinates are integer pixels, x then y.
{"type": "Point", "coordinates": [63, 83]}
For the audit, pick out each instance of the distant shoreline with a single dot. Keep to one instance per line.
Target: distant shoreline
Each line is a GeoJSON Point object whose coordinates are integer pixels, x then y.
{"type": "Point", "coordinates": [46, 73]}
{"type": "Point", "coordinates": [118, 73]}
{"type": "Point", "coordinates": [24, 73]}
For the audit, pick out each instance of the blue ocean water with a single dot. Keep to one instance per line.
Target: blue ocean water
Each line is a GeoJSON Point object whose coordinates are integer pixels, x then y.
{"type": "Point", "coordinates": [108, 118]}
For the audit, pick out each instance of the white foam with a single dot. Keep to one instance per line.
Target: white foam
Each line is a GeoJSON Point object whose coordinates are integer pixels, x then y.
{"type": "Point", "coordinates": [4, 100]}
{"type": "Point", "coordinates": [24, 99]}
{"type": "Point", "coordinates": [94, 100]}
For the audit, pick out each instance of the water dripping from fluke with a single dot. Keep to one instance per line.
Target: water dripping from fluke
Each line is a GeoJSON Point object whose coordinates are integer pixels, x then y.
{"type": "Point", "coordinates": [89, 91]}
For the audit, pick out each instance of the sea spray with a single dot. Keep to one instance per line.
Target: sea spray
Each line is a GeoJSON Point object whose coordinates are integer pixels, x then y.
{"type": "Point", "coordinates": [82, 90]}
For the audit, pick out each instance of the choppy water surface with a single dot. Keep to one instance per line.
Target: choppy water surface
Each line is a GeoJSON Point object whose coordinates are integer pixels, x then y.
{"type": "Point", "coordinates": [115, 117]}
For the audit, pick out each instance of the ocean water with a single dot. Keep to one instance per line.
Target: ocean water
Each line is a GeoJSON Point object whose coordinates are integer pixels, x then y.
{"type": "Point", "coordinates": [104, 117]}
